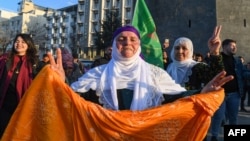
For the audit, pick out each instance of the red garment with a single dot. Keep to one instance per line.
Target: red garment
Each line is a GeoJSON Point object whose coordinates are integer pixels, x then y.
{"type": "Point", "coordinates": [24, 78]}
{"type": "Point", "coordinates": [51, 111]}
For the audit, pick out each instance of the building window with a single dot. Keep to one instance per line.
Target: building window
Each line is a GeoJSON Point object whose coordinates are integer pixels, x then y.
{"type": "Point", "coordinates": [96, 1]}
{"type": "Point", "coordinates": [107, 3]}
{"type": "Point", "coordinates": [117, 3]}
{"type": "Point", "coordinates": [128, 2]}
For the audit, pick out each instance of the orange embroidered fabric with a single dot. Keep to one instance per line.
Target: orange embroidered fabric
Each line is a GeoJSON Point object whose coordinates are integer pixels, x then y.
{"type": "Point", "coordinates": [51, 111]}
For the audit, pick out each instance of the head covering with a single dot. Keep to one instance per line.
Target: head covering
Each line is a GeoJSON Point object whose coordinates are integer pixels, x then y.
{"type": "Point", "coordinates": [185, 42]}
{"type": "Point", "coordinates": [126, 28]}
{"type": "Point", "coordinates": [125, 73]}
{"type": "Point", "coordinates": [180, 70]}
{"type": "Point", "coordinates": [67, 59]}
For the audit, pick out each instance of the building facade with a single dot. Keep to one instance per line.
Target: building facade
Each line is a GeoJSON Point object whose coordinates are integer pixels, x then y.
{"type": "Point", "coordinates": [29, 19]}
{"type": "Point", "coordinates": [74, 26]}
{"type": "Point", "coordinates": [197, 19]}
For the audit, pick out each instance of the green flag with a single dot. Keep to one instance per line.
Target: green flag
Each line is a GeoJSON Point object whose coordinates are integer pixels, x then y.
{"type": "Point", "coordinates": [144, 23]}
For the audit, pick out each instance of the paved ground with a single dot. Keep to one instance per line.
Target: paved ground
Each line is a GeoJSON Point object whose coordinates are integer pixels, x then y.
{"type": "Point", "coordinates": [243, 118]}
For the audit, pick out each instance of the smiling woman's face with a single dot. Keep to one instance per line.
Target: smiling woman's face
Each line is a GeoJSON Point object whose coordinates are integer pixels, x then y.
{"type": "Point", "coordinates": [127, 43]}
{"type": "Point", "coordinates": [20, 46]}
{"type": "Point", "coordinates": [181, 52]}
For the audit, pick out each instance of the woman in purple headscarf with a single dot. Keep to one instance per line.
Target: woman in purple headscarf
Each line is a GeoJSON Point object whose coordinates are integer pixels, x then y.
{"type": "Point", "coordinates": [71, 69]}
{"type": "Point", "coordinates": [127, 81]}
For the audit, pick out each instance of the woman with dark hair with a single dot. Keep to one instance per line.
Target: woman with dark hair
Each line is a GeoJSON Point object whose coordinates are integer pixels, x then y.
{"type": "Point", "coordinates": [16, 74]}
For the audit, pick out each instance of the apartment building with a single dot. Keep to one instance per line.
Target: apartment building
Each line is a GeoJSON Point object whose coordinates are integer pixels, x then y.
{"type": "Point", "coordinates": [6, 14]}
{"type": "Point", "coordinates": [91, 13]}
{"type": "Point", "coordinates": [29, 19]}
{"type": "Point", "coordinates": [74, 26]}
{"type": "Point", "coordinates": [60, 28]}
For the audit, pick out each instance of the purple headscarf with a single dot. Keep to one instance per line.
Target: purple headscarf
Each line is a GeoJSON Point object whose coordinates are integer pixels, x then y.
{"type": "Point", "coordinates": [126, 28]}
{"type": "Point", "coordinates": [67, 58]}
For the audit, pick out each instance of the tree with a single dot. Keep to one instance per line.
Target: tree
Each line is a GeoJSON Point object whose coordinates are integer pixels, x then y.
{"type": "Point", "coordinates": [36, 28]}
{"type": "Point", "coordinates": [103, 38]}
{"type": "Point", "coordinates": [6, 36]}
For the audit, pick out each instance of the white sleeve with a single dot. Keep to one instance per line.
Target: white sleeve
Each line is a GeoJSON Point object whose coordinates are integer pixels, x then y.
{"type": "Point", "coordinates": [165, 83]}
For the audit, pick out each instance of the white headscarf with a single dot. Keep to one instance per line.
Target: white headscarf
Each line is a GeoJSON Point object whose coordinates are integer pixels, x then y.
{"type": "Point", "coordinates": [126, 73]}
{"type": "Point", "coordinates": [181, 70]}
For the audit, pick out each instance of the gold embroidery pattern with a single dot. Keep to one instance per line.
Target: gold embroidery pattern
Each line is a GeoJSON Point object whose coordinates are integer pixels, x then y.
{"type": "Point", "coordinates": [46, 111]}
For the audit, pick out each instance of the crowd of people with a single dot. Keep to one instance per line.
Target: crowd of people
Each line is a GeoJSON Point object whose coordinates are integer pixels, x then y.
{"type": "Point", "coordinates": [122, 80]}
{"type": "Point", "coordinates": [192, 71]}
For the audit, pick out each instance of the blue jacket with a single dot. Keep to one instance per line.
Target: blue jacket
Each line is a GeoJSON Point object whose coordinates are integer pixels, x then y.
{"type": "Point", "coordinates": [239, 70]}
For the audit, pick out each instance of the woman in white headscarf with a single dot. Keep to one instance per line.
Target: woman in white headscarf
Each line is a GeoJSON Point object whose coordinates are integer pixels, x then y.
{"type": "Point", "coordinates": [188, 72]}
{"type": "Point", "coordinates": [182, 55]}
{"type": "Point", "coordinates": [127, 81]}
{"type": "Point", "coordinates": [140, 85]}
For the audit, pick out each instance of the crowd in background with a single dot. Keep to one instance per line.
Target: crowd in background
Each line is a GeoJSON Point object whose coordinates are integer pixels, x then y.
{"type": "Point", "coordinates": [193, 71]}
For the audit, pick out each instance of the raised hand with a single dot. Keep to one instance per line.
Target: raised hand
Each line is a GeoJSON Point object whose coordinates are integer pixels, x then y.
{"type": "Point", "coordinates": [214, 42]}
{"type": "Point", "coordinates": [56, 65]}
{"type": "Point", "coordinates": [217, 82]}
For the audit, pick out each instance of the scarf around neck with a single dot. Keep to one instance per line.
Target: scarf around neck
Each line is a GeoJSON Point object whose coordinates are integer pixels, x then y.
{"type": "Point", "coordinates": [120, 73]}
{"type": "Point", "coordinates": [24, 77]}
{"type": "Point", "coordinates": [181, 70]}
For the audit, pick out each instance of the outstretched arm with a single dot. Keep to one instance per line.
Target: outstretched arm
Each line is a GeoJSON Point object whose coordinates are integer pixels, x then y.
{"type": "Point", "coordinates": [217, 82]}
{"type": "Point", "coordinates": [56, 64]}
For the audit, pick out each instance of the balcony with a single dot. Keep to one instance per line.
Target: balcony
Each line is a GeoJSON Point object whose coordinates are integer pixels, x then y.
{"type": "Point", "coordinates": [81, 2]}
{"type": "Point", "coordinates": [127, 21]}
{"type": "Point", "coordinates": [56, 15]}
{"type": "Point", "coordinates": [54, 46]}
{"type": "Point", "coordinates": [63, 35]}
{"type": "Point", "coordinates": [81, 12]}
{"type": "Point", "coordinates": [94, 22]}
{"type": "Point", "coordinates": [47, 26]}
{"type": "Point", "coordinates": [95, 11]}
{"type": "Point", "coordinates": [63, 24]}
{"type": "Point", "coordinates": [128, 8]}
{"type": "Point", "coordinates": [54, 35]}
{"type": "Point", "coordinates": [79, 34]}
{"type": "Point", "coordinates": [73, 15]}
{"type": "Point", "coordinates": [64, 14]}
{"type": "Point", "coordinates": [61, 45]}
{"type": "Point", "coordinates": [80, 23]}
{"type": "Point", "coordinates": [55, 25]}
